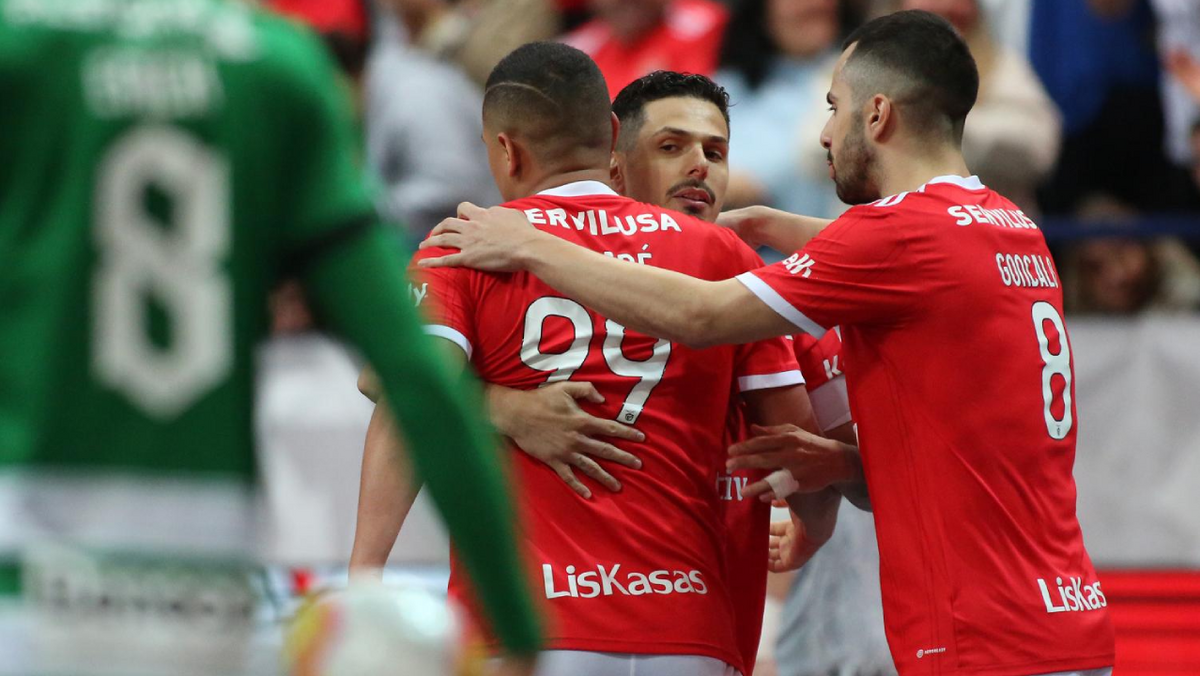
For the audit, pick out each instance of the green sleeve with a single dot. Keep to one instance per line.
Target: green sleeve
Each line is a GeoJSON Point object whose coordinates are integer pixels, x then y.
{"type": "Point", "coordinates": [359, 288]}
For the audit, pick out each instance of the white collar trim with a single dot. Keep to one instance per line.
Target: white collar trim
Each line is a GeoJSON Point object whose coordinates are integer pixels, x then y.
{"type": "Point", "coordinates": [967, 183]}
{"type": "Point", "coordinates": [579, 189]}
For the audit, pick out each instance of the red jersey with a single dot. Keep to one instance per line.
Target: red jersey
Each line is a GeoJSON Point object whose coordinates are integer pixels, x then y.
{"type": "Point", "coordinates": [748, 520]}
{"type": "Point", "coordinates": [642, 570]}
{"type": "Point", "coordinates": [686, 40]}
{"type": "Point", "coordinates": [823, 367]}
{"type": "Point", "coordinates": [961, 382]}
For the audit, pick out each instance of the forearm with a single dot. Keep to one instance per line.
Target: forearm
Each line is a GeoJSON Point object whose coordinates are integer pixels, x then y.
{"type": "Point", "coordinates": [503, 408]}
{"type": "Point", "coordinates": [386, 493]}
{"type": "Point", "coordinates": [854, 489]}
{"type": "Point", "coordinates": [818, 512]}
{"type": "Point", "coordinates": [360, 288]}
{"type": "Point", "coordinates": [652, 301]}
{"type": "Point", "coordinates": [785, 232]}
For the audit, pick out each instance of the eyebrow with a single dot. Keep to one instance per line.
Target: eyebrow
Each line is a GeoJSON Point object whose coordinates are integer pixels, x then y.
{"type": "Point", "coordinates": [676, 131]}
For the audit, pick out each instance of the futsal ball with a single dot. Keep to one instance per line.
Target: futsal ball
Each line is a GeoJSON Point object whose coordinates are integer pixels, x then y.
{"type": "Point", "coordinates": [373, 629]}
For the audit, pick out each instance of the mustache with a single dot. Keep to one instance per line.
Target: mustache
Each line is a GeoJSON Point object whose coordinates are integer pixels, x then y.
{"type": "Point", "coordinates": [829, 156]}
{"type": "Point", "coordinates": [693, 183]}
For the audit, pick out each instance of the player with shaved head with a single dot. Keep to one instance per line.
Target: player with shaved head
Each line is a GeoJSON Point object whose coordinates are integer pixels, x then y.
{"type": "Point", "coordinates": [634, 582]}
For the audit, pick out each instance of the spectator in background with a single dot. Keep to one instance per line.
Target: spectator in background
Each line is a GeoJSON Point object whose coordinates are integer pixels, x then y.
{"type": "Point", "coordinates": [345, 28]}
{"type": "Point", "coordinates": [422, 124]}
{"type": "Point", "coordinates": [631, 38]}
{"type": "Point", "coordinates": [476, 34]}
{"type": "Point", "coordinates": [776, 63]}
{"type": "Point", "coordinates": [1185, 70]}
{"type": "Point", "coordinates": [1178, 32]}
{"type": "Point", "coordinates": [1124, 275]}
{"type": "Point", "coordinates": [1103, 73]}
{"type": "Point", "coordinates": [1014, 131]}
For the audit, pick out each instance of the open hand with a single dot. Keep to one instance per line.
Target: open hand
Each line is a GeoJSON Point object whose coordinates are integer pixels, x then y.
{"type": "Point", "coordinates": [487, 239]}
{"type": "Point", "coordinates": [814, 462]}
{"type": "Point", "coordinates": [789, 548]}
{"type": "Point", "coordinates": [548, 424]}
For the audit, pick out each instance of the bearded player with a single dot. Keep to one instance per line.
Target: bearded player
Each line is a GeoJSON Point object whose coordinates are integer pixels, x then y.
{"type": "Point", "coordinates": [946, 296]}
{"type": "Point", "coordinates": [634, 582]}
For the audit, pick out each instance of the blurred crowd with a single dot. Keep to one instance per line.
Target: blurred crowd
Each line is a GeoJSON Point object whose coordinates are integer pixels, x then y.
{"type": "Point", "coordinates": [1088, 114]}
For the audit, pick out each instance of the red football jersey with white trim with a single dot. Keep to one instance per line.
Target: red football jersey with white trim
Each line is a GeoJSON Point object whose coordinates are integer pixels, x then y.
{"type": "Point", "coordinates": [961, 382]}
{"type": "Point", "coordinates": [642, 570]}
{"type": "Point", "coordinates": [822, 363]}
{"type": "Point", "coordinates": [762, 366]}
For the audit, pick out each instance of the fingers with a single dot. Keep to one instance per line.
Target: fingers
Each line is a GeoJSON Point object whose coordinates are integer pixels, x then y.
{"type": "Point", "coordinates": [762, 444]}
{"type": "Point", "coordinates": [585, 391]}
{"type": "Point", "coordinates": [611, 428]}
{"type": "Point", "coordinates": [761, 430]}
{"type": "Point", "coordinates": [605, 451]}
{"type": "Point", "coordinates": [445, 240]}
{"type": "Point", "coordinates": [595, 471]}
{"type": "Point", "coordinates": [756, 489]}
{"type": "Point", "coordinates": [447, 261]}
{"type": "Point", "coordinates": [782, 529]}
{"type": "Point", "coordinates": [449, 225]}
{"type": "Point", "coordinates": [564, 472]}
{"type": "Point", "coordinates": [469, 212]}
{"type": "Point", "coordinates": [768, 460]}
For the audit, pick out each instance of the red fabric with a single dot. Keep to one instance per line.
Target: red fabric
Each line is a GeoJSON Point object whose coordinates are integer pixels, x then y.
{"type": "Point", "coordinates": [748, 520]}
{"type": "Point", "coordinates": [1157, 616]}
{"type": "Point", "coordinates": [326, 16]}
{"type": "Point", "coordinates": [959, 380]}
{"type": "Point", "coordinates": [661, 540]}
{"type": "Point", "coordinates": [688, 40]}
{"type": "Point", "coordinates": [820, 359]}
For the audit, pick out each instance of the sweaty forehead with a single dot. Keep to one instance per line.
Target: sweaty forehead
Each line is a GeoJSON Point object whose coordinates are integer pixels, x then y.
{"type": "Point", "coordinates": [685, 113]}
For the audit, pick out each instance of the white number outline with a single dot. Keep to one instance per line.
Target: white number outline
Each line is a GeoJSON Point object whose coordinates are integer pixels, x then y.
{"type": "Point", "coordinates": [1053, 364]}
{"type": "Point", "coordinates": [562, 365]}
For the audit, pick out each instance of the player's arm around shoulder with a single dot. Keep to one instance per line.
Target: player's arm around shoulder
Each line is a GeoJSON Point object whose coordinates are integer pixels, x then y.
{"type": "Point", "coordinates": [649, 300]}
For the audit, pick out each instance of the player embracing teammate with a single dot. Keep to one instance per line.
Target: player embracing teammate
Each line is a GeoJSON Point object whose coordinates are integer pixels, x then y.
{"type": "Point", "coordinates": [960, 376]}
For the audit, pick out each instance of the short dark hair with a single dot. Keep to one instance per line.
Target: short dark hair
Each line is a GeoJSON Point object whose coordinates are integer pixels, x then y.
{"type": "Point", "coordinates": [554, 96]}
{"type": "Point", "coordinates": [920, 59]}
{"type": "Point", "coordinates": [630, 104]}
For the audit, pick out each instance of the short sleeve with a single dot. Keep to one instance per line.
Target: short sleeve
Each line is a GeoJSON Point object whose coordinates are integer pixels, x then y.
{"type": "Point", "coordinates": [446, 300]}
{"type": "Point", "coordinates": [325, 188]}
{"type": "Point", "coordinates": [860, 270]}
{"type": "Point", "coordinates": [767, 364]}
{"type": "Point", "coordinates": [823, 367]}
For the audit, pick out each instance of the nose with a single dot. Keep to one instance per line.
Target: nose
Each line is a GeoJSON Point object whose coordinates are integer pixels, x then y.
{"type": "Point", "coordinates": [699, 165]}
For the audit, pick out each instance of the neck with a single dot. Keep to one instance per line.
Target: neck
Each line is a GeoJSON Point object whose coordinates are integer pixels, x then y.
{"type": "Point", "coordinates": [601, 174]}
{"type": "Point", "coordinates": [904, 171]}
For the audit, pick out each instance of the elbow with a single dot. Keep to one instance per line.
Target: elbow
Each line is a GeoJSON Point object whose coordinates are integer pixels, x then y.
{"type": "Point", "coordinates": [698, 328]}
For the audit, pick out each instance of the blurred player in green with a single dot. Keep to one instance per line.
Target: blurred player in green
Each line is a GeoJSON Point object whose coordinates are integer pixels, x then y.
{"type": "Point", "coordinates": [164, 162]}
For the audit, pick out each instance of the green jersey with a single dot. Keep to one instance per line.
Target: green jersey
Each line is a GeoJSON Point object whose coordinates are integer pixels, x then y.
{"type": "Point", "coordinates": [164, 162]}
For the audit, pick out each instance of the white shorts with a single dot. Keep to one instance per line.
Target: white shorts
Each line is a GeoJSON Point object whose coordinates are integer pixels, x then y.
{"type": "Point", "coordinates": [581, 663]}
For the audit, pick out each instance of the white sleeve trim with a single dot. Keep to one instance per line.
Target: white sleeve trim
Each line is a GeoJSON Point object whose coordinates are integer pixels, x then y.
{"type": "Point", "coordinates": [831, 404]}
{"type": "Point", "coordinates": [769, 381]}
{"type": "Point", "coordinates": [776, 302]}
{"type": "Point", "coordinates": [452, 335]}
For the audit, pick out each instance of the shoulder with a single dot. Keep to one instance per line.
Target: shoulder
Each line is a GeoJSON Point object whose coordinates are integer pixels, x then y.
{"type": "Point", "coordinates": [292, 57]}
